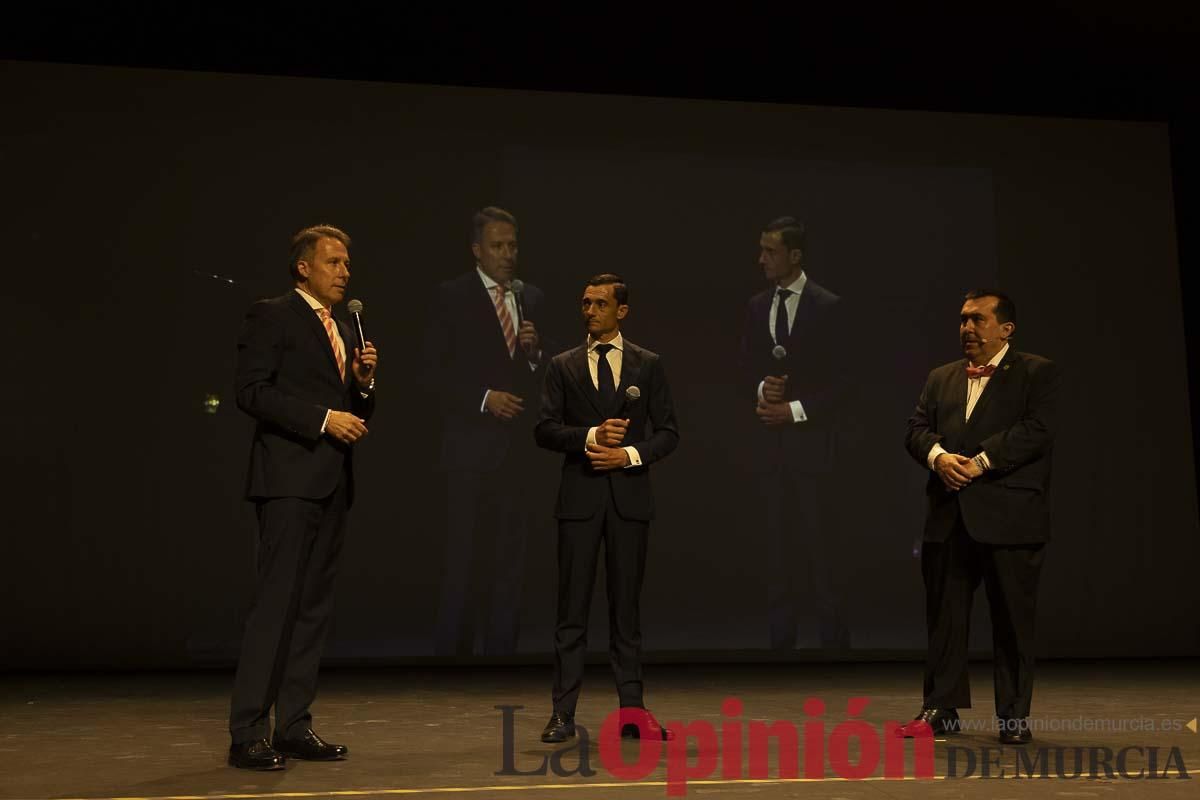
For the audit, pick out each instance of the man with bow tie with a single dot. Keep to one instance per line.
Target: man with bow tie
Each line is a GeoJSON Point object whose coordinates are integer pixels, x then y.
{"type": "Point", "coordinates": [607, 408]}
{"type": "Point", "coordinates": [984, 428]}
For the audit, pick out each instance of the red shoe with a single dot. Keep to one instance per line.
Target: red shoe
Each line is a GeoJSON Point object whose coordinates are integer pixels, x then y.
{"type": "Point", "coordinates": [634, 721]}
{"type": "Point", "coordinates": [931, 722]}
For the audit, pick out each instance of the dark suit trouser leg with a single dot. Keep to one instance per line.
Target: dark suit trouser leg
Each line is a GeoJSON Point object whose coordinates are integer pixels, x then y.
{"type": "Point", "coordinates": [781, 557]}
{"type": "Point", "coordinates": [454, 630]}
{"type": "Point", "coordinates": [298, 688]}
{"type": "Point", "coordinates": [811, 528]}
{"type": "Point", "coordinates": [625, 568]}
{"type": "Point", "coordinates": [1010, 577]}
{"type": "Point", "coordinates": [288, 533]}
{"type": "Point", "coordinates": [578, 553]}
{"type": "Point", "coordinates": [509, 508]}
{"type": "Point", "coordinates": [951, 573]}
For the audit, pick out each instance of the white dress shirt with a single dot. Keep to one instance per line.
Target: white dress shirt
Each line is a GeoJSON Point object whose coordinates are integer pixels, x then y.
{"type": "Point", "coordinates": [510, 302]}
{"type": "Point", "coordinates": [316, 306]}
{"type": "Point", "coordinates": [790, 305]}
{"type": "Point", "coordinates": [975, 387]}
{"type": "Point", "coordinates": [615, 360]}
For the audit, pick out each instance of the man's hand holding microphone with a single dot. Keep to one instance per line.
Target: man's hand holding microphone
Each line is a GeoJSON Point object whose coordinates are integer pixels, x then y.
{"type": "Point", "coordinates": [607, 453]}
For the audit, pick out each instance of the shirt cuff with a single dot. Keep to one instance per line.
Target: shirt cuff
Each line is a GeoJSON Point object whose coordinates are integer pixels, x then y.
{"type": "Point", "coordinates": [760, 388]}
{"type": "Point", "coordinates": [987, 464]}
{"type": "Point", "coordinates": [934, 452]}
{"type": "Point", "coordinates": [798, 414]}
{"type": "Point", "coordinates": [591, 438]}
{"type": "Point", "coordinates": [325, 421]}
{"type": "Point", "coordinates": [635, 459]}
{"type": "Point", "coordinates": [483, 405]}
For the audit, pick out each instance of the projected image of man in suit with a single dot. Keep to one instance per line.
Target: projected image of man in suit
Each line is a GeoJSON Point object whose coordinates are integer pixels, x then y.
{"type": "Point", "coordinates": [607, 407]}
{"type": "Point", "coordinates": [795, 358]}
{"type": "Point", "coordinates": [984, 429]}
{"type": "Point", "coordinates": [484, 353]}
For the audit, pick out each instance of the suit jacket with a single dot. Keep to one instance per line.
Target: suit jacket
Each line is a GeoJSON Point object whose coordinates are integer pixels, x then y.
{"type": "Point", "coordinates": [571, 406]}
{"type": "Point", "coordinates": [1014, 422]}
{"type": "Point", "coordinates": [816, 365]}
{"type": "Point", "coordinates": [466, 355]}
{"type": "Point", "coordinates": [286, 379]}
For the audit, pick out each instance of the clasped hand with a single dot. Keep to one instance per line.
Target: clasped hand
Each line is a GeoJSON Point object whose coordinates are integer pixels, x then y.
{"type": "Point", "coordinates": [955, 471]}
{"type": "Point", "coordinates": [604, 459]}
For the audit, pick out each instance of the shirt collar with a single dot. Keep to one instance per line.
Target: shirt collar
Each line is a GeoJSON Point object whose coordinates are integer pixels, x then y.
{"type": "Point", "coordinates": [313, 302]}
{"type": "Point", "coordinates": [488, 283]}
{"type": "Point", "coordinates": [996, 359]}
{"type": "Point", "coordinates": [618, 342]}
{"type": "Point", "coordinates": [796, 286]}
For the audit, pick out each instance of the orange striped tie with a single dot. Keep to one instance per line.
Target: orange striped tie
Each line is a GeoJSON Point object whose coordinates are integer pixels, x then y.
{"type": "Point", "coordinates": [506, 323]}
{"type": "Point", "coordinates": [331, 332]}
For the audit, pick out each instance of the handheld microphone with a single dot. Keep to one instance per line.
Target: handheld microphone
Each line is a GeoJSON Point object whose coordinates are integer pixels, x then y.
{"type": "Point", "coordinates": [632, 395]}
{"type": "Point", "coordinates": [518, 290]}
{"type": "Point", "coordinates": [779, 352]}
{"type": "Point", "coordinates": [355, 308]}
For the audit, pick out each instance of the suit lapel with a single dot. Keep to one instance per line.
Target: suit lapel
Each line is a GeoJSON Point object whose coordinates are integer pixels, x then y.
{"type": "Point", "coordinates": [577, 366]}
{"type": "Point", "coordinates": [631, 364]}
{"type": "Point", "coordinates": [313, 323]}
{"type": "Point", "coordinates": [805, 311]}
{"type": "Point", "coordinates": [347, 338]}
{"type": "Point", "coordinates": [994, 384]}
{"type": "Point", "coordinates": [953, 402]}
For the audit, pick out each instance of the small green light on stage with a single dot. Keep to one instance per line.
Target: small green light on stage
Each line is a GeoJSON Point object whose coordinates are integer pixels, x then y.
{"type": "Point", "coordinates": [211, 403]}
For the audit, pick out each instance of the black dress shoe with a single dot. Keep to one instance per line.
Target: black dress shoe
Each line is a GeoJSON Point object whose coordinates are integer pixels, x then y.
{"type": "Point", "coordinates": [255, 754]}
{"type": "Point", "coordinates": [940, 721]}
{"type": "Point", "coordinates": [560, 728]}
{"type": "Point", "coordinates": [311, 747]}
{"type": "Point", "coordinates": [1015, 731]}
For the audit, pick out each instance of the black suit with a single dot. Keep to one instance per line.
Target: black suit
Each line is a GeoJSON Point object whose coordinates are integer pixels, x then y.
{"type": "Point", "coordinates": [614, 507]}
{"type": "Point", "coordinates": [992, 530]}
{"type": "Point", "coordinates": [796, 461]}
{"type": "Point", "coordinates": [302, 483]}
{"type": "Point", "coordinates": [486, 461]}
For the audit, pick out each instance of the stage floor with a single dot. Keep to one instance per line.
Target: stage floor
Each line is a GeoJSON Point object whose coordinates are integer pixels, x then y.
{"type": "Point", "coordinates": [426, 732]}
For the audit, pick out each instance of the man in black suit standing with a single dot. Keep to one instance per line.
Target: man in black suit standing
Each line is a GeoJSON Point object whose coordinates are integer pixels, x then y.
{"type": "Point", "coordinates": [311, 392]}
{"type": "Point", "coordinates": [984, 428]}
{"type": "Point", "coordinates": [607, 407]}
{"type": "Point", "coordinates": [792, 351]}
{"type": "Point", "coordinates": [485, 355]}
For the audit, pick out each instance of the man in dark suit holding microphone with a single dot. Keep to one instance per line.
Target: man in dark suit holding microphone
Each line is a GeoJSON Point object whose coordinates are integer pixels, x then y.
{"type": "Point", "coordinates": [794, 353]}
{"type": "Point", "coordinates": [984, 428]}
{"type": "Point", "coordinates": [484, 353]}
{"type": "Point", "coordinates": [607, 407]}
{"type": "Point", "coordinates": [311, 389]}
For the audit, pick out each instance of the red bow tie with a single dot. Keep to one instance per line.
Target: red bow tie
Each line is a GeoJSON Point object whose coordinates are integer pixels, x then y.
{"type": "Point", "coordinates": [981, 372]}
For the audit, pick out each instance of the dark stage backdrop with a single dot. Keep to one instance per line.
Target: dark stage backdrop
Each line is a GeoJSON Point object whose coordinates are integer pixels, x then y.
{"type": "Point", "coordinates": [126, 542]}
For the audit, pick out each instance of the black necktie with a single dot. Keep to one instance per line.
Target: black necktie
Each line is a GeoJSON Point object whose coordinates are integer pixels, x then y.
{"type": "Point", "coordinates": [604, 376]}
{"type": "Point", "coordinates": [781, 315]}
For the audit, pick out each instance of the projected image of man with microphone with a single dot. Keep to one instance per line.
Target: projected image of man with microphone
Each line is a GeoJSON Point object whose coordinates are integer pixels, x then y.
{"type": "Point", "coordinates": [485, 357]}
{"type": "Point", "coordinates": [607, 408]}
{"type": "Point", "coordinates": [795, 356]}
